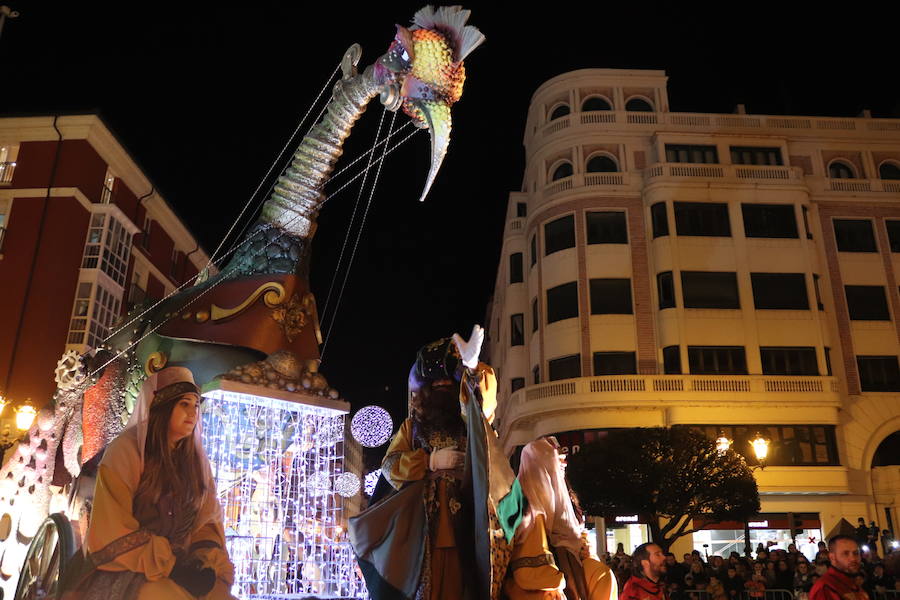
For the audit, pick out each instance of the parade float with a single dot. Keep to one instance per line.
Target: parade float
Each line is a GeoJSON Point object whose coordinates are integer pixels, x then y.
{"type": "Point", "coordinates": [273, 427]}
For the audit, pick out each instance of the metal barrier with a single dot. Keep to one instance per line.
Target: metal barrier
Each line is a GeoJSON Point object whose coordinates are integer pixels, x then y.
{"type": "Point", "coordinates": [886, 595]}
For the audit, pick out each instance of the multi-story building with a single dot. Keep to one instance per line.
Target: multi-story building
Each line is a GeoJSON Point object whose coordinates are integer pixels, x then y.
{"type": "Point", "coordinates": [83, 235]}
{"type": "Point", "coordinates": [734, 273]}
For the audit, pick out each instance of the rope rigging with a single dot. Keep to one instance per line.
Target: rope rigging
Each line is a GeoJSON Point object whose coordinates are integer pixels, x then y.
{"type": "Point", "coordinates": [222, 260]}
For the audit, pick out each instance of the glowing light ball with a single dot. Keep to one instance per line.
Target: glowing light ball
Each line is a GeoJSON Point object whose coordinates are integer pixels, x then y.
{"type": "Point", "coordinates": [371, 481]}
{"type": "Point", "coordinates": [371, 426]}
{"type": "Point", "coordinates": [346, 484]}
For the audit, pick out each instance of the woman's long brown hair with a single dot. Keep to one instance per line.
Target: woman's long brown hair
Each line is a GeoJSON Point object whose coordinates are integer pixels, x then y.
{"type": "Point", "coordinates": [167, 470]}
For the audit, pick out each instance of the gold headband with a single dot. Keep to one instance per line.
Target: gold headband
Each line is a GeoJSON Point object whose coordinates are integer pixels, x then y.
{"type": "Point", "coordinates": [174, 390]}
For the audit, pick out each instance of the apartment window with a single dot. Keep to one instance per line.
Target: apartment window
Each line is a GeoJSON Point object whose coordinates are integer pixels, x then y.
{"type": "Point", "coordinates": [769, 220]}
{"type": "Point", "coordinates": [515, 268]}
{"type": "Point", "coordinates": [96, 310]}
{"type": "Point", "coordinates": [893, 230]}
{"type": "Point", "coordinates": [595, 103]}
{"type": "Point", "coordinates": [819, 304]}
{"type": "Point", "coordinates": [145, 238]}
{"type": "Point", "coordinates": [516, 384]}
{"type": "Point", "coordinates": [535, 321]}
{"type": "Point", "coordinates": [559, 234]}
{"type": "Point", "coordinates": [867, 303]}
{"type": "Point", "coordinates": [638, 105]}
{"type": "Point", "coordinates": [828, 370]}
{"type": "Point", "coordinates": [854, 235]}
{"type": "Point", "coordinates": [173, 267]}
{"type": "Point", "coordinates": [517, 330]}
{"type": "Point", "coordinates": [672, 360]}
{"type": "Point", "coordinates": [659, 219]}
{"type": "Point", "coordinates": [611, 297]}
{"type": "Point", "coordinates": [666, 288]}
{"type": "Point", "coordinates": [567, 367]}
{"type": "Point", "coordinates": [560, 111]}
{"type": "Point", "coordinates": [878, 373]}
{"type": "Point", "coordinates": [839, 169]}
{"type": "Point", "coordinates": [606, 228]}
{"type": "Point", "coordinates": [108, 247]}
{"type": "Point", "coordinates": [533, 250]}
{"type": "Point", "coordinates": [562, 302]}
{"type": "Point", "coordinates": [614, 363]}
{"type": "Point", "coordinates": [562, 171]}
{"type": "Point", "coordinates": [784, 360]}
{"type": "Point", "coordinates": [717, 360]}
{"type": "Point", "coordinates": [601, 164]}
{"type": "Point", "coordinates": [709, 289]}
{"type": "Point", "coordinates": [806, 228]}
{"type": "Point", "coordinates": [779, 291]}
{"type": "Point", "coordinates": [889, 170]}
{"type": "Point", "coordinates": [521, 209]}
{"type": "Point", "coordinates": [684, 153]}
{"type": "Point", "coordinates": [702, 219]}
{"type": "Point", "coordinates": [789, 445]}
{"type": "Point", "coordinates": [536, 375]}
{"type": "Point", "coordinates": [751, 155]}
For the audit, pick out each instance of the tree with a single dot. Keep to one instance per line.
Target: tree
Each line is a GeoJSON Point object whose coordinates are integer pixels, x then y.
{"type": "Point", "coordinates": [674, 473]}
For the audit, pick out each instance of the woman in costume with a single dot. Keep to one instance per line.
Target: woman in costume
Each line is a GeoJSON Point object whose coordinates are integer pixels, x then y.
{"type": "Point", "coordinates": [156, 526]}
{"type": "Point", "coordinates": [550, 558]}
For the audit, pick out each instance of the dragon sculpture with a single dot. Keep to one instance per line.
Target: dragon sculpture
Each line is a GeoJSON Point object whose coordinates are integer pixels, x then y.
{"type": "Point", "coordinates": [255, 320]}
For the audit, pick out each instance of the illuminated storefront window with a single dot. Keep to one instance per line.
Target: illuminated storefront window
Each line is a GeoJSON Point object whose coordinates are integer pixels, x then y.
{"type": "Point", "coordinates": [772, 530]}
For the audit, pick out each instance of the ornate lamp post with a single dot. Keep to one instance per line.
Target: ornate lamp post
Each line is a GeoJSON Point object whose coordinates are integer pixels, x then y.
{"type": "Point", "coordinates": [760, 447]}
{"type": "Point", "coordinates": [24, 418]}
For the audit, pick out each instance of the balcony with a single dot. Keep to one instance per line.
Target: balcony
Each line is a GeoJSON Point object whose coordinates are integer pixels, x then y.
{"type": "Point", "coordinates": [718, 123]}
{"type": "Point", "coordinates": [641, 400]}
{"type": "Point", "coordinates": [6, 172]}
{"type": "Point", "coordinates": [616, 181]}
{"type": "Point", "coordinates": [760, 175]}
{"type": "Point", "coordinates": [870, 188]}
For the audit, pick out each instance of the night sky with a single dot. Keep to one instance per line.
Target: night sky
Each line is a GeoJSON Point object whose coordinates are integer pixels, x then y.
{"type": "Point", "coordinates": [204, 96]}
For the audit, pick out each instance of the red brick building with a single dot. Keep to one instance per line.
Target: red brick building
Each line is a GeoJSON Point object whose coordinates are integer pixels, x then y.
{"type": "Point", "coordinates": [83, 235]}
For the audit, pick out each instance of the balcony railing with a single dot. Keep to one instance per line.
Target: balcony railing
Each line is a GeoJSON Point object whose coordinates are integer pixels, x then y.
{"type": "Point", "coordinates": [677, 386]}
{"type": "Point", "coordinates": [828, 185]}
{"type": "Point", "coordinates": [774, 174]}
{"type": "Point", "coordinates": [832, 126]}
{"type": "Point", "coordinates": [6, 171]}
{"type": "Point", "coordinates": [106, 195]}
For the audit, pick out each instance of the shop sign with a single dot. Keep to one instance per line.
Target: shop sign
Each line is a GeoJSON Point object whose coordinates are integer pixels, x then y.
{"type": "Point", "coordinates": [758, 524]}
{"type": "Point", "coordinates": [626, 519]}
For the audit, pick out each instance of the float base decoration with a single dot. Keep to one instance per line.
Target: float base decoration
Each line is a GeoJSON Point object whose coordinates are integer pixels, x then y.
{"type": "Point", "coordinates": [277, 456]}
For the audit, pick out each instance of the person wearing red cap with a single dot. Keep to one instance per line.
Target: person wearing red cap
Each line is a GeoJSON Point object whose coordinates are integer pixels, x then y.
{"type": "Point", "coordinates": [156, 525]}
{"type": "Point", "coordinates": [838, 582]}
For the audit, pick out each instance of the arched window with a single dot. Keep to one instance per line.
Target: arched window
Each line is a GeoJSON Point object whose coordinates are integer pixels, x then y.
{"type": "Point", "coordinates": [595, 103]}
{"type": "Point", "coordinates": [560, 111]}
{"type": "Point", "coordinates": [839, 169]}
{"type": "Point", "coordinates": [638, 105]}
{"type": "Point", "coordinates": [563, 170]}
{"type": "Point", "coordinates": [601, 164]}
{"type": "Point", "coordinates": [889, 170]}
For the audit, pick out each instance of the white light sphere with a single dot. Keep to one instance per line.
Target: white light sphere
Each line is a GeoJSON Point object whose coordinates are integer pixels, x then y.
{"type": "Point", "coordinates": [371, 426]}
{"type": "Point", "coordinates": [371, 481]}
{"type": "Point", "coordinates": [346, 484]}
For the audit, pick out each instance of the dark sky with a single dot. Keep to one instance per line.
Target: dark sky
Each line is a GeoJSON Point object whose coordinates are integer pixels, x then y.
{"type": "Point", "coordinates": [205, 95]}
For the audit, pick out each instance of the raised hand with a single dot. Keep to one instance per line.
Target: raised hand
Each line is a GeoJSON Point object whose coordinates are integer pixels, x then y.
{"type": "Point", "coordinates": [470, 350]}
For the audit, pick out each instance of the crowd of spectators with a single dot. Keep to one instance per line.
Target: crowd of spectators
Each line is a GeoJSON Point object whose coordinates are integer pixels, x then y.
{"type": "Point", "coordinates": [740, 578]}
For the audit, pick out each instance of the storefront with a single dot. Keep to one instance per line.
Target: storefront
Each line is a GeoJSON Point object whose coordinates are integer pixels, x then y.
{"type": "Point", "coordinates": [629, 530]}
{"type": "Point", "coordinates": [772, 530]}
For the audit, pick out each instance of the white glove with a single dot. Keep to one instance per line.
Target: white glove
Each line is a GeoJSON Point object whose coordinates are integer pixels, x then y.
{"type": "Point", "coordinates": [469, 351]}
{"type": "Point", "coordinates": [446, 458]}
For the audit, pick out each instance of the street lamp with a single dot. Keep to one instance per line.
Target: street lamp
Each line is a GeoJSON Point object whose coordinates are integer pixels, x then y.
{"type": "Point", "coordinates": [25, 415]}
{"type": "Point", "coordinates": [760, 447]}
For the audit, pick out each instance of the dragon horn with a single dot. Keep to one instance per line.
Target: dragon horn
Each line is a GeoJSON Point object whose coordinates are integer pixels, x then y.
{"type": "Point", "coordinates": [437, 115]}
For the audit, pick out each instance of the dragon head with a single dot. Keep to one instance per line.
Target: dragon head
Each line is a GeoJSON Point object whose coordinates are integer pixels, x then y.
{"type": "Point", "coordinates": [423, 73]}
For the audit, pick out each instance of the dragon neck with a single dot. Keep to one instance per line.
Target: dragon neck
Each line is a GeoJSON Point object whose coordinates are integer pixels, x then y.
{"type": "Point", "coordinates": [279, 241]}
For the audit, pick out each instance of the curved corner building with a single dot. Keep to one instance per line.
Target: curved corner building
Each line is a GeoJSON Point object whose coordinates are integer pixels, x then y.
{"type": "Point", "coordinates": [735, 273]}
